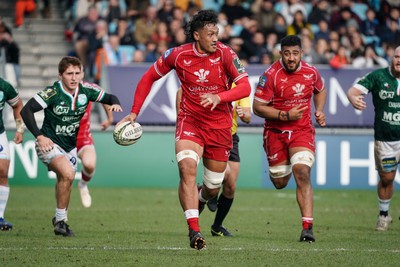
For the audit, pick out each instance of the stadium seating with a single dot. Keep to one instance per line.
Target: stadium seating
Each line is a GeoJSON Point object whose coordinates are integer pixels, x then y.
{"type": "Point", "coordinates": [42, 44]}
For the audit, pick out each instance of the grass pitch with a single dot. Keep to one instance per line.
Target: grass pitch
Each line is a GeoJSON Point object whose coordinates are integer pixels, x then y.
{"type": "Point", "coordinates": [146, 227]}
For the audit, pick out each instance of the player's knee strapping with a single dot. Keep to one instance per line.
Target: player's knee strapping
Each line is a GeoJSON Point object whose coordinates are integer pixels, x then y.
{"type": "Point", "coordinates": [184, 154]}
{"type": "Point", "coordinates": [212, 179]}
{"type": "Point", "coordinates": [280, 171]}
{"type": "Point", "coordinates": [303, 157]}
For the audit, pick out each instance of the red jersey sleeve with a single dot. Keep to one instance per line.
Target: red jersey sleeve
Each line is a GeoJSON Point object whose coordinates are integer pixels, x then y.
{"type": "Point", "coordinates": [143, 89]}
{"type": "Point", "coordinates": [165, 63]}
{"type": "Point", "coordinates": [161, 67]}
{"type": "Point", "coordinates": [237, 74]}
{"type": "Point", "coordinates": [265, 87]}
{"type": "Point", "coordinates": [319, 82]}
{"type": "Point", "coordinates": [232, 64]}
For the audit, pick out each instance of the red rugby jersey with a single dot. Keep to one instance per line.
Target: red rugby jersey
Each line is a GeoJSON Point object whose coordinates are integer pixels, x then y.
{"type": "Point", "coordinates": [283, 90]}
{"type": "Point", "coordinates": [201, 73]}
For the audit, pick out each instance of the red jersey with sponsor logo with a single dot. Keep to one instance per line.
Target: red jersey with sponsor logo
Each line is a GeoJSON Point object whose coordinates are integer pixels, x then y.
{"type": "Point", "coordinates": [199, 74]}
{"type": "Point", "coordinates": [283, 90]}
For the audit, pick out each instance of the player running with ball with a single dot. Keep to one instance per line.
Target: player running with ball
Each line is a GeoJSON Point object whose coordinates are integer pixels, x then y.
{"type": "Point", "coordinates": [206, 69]}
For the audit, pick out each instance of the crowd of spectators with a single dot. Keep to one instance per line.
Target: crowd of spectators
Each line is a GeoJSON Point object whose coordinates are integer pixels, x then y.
{"type": "Point", "coordinates": [336, 33]}
{"type": "Point", "coordinates": [9, 54]}
{"type": "Point", "coordinates": [9, 48]}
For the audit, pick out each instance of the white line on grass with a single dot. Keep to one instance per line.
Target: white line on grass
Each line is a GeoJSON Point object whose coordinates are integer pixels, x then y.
{"type": "Point", "coordinates": [186, 248]}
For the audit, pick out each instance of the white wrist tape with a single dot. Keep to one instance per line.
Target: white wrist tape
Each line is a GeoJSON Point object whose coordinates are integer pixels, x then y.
{"type": "Point", "coordinates": [20, 126]}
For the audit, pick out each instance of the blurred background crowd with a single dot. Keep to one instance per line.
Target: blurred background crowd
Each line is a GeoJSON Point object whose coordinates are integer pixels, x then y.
{"type": "Point", "coordinates": [335, 33]}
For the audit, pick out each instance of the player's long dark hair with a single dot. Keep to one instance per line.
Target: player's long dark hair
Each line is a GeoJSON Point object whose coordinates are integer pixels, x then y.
{"type": "Point", "coordinates": [202, 18]}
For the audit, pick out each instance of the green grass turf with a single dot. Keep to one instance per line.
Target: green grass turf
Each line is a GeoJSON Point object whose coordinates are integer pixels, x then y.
{"type": "Point", "coordinates": [146, 227]}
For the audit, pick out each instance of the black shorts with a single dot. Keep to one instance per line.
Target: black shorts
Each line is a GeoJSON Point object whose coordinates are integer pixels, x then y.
{"type": "Point", "coordinates": [234, 153]}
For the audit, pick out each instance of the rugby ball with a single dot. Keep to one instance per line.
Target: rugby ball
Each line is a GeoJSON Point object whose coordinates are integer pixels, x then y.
{"type": "Point", "coordinates": [126, 134]}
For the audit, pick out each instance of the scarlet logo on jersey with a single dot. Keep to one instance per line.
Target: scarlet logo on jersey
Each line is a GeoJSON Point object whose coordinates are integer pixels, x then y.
{"type": "Point", "coordinates": [308, 77]}
{"type": "Point", "coordinates": [273, 157]}
{"type": "Point", "coordinates": [202, 74]}
{"type": "Point", "coordinates": [227, 153]}
{"type": "Point", "coordinates": [187, 63]}
{"type": "Point", "coordinates": [298, 88]}
{"type": "Point", "coordinates": [187, 133]}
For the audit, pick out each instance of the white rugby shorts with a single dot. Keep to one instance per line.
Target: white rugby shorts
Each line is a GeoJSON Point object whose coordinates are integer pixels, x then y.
{"type": "Point", "coordinates": [46, 157]}
{"type": "Point", "coordinates": [4, 148]}
{"type": "Point", "coordinates": [387, 155]}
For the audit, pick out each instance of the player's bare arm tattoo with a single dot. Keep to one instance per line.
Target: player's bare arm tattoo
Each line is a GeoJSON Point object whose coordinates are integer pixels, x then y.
{"type": "Point", "coordinates": [283, 115]}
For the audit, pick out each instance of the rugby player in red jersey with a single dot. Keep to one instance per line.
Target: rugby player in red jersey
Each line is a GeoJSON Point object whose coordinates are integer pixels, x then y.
{"type": "Point", "coordinates": [87, 153]}
{"type": "Point", "coordinates": [283, 97]}
{"type": "Point", "coordinates": [206, 69]}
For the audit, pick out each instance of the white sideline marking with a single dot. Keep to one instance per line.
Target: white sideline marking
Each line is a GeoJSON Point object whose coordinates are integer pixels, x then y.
{"type": "Point", "coordinates": [187, 248]}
